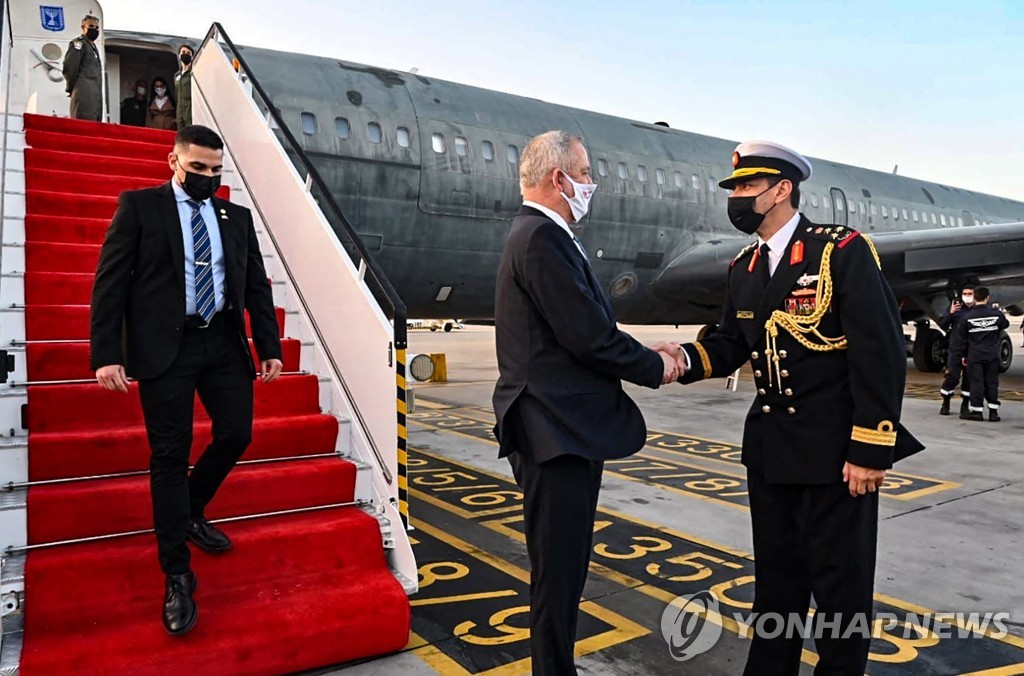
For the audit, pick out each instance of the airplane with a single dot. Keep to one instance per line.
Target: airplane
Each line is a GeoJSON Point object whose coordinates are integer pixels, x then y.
{"type": "Point", "coordinates": [427, 172]}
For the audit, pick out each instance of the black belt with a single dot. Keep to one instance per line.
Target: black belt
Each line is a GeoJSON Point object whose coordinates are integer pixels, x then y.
{"type": "Point", "coordinates": [197, 322]}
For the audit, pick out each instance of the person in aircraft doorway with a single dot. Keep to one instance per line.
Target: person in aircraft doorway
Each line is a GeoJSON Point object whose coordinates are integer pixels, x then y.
{"type": "Point", "coordinates": [183, 86]}
{"type": "Point", "coordinates": [981, 330]}
{"type": "Point", "coordinates": [83, 72]}
{"type": "Point", "coordinates": [161, 111]}
{"type": "Point", "coordinates": [133, 108]}
{"type": "Point", "coordinates": [956, 369]}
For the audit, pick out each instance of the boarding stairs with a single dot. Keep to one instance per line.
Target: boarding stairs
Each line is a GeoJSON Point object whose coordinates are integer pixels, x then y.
{"type": "Point", "coordinates": [321, 565]}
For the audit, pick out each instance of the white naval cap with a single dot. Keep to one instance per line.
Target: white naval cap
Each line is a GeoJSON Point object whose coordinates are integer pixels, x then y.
{"type": "Point", "coordinates": [754, 159]}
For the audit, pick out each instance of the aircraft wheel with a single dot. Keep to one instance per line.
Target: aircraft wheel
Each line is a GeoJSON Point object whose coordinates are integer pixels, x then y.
{"type": "Point", "coordinates": [448, 327]}
{"type": "Point", "coordinates": [433, 328]}
{"type": "Point", "coordinates": [706, 331]}
{"type": "Point", "coordinates": [1005, 351]}
{"type": "Point", "coordinates": [930, 347]}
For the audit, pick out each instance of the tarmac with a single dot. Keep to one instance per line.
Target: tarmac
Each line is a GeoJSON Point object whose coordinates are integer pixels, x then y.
{"type": "Point", "coordinates": [673, 520]}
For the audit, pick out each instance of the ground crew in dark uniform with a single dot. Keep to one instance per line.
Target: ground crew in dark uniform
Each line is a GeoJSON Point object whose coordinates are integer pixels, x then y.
{"type": "Point", "coordinates": [981, 330]}
{"type": "Point", "coordinates": [83, 72]}
{"type": "Point", "coordinates": [808, 306]}
{"type": "Point", "coordinates": [955, 370]}
{"type": "Point", "coordinates": [183, 86]}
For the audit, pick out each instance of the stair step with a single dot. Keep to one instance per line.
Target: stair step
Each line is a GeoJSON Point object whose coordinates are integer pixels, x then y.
{"type": "Point", "coordinates": [37, 159]}
{"type": "Point", "coordinates": [263, 608]}
{"type": "Point", "coordinates": [64, 455]}
{"type": "Point", "coordinates": [65, 229]}
{"type": "Point", "coordinates": [63, 125]}
{"type": "Point", "coordinates": [46, 203]}
{"type": "Point", "coordinates": [61, 257]}
{"type": "Point", "coordinates": [51, 180]}
{"type": "Point", "coordinates": [71, 322]}
{"type": "Point", "coordinates": [88, 407]}
{"type": "Point", "coordinates": [86, 148]}
{"type": "Point", "coordinates": [84, 509]}
{"type": "Point", "coordinates": [70, 361]}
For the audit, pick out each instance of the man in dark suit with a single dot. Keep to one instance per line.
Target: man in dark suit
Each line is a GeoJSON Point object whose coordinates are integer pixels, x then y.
{"type": "Point", "coordinates": [559, 402]}
{"type": "Point", "coordinates": [177, 270]}
{"type": "Point", "coordinates": [808, 306]}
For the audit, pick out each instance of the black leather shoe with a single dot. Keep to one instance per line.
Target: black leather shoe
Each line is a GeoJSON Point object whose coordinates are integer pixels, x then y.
{"type": "Point", "coordinates": [973, 415]}
{"type": "Point", "coordinates": [965, 406]}
{"type": "Point", "coordinates": [993, 416]}
{"type": "Point", "coordinates": [207, 537]}
{"type": "Point", "coordinates": [944, 409]}
{"type": "Point", "coordinates": [180, 610]}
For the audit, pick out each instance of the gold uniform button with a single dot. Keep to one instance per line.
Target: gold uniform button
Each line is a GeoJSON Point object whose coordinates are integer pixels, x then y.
{"type": "Point", "coordinates": [766, 409]}
{"type": "Point", "coordinates": [789, 392]}
{"type": "Point", "coordinates": [754, 355]}
{"type": "Point", "coordinates": [757, 374]}
{"type": "Point", "coordinates": [762, 392]}
{"type": "Point", "coordinates": [785, 373]}
{"type": "Point", "coordinates": [791, 410]}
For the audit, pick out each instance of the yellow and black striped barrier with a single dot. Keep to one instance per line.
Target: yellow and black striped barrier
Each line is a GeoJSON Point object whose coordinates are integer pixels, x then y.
{"type": "Point", "coordinates": [403, 438]}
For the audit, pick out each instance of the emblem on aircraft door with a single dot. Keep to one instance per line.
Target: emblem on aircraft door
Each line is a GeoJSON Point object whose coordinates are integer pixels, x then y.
{"type": "Point", "coordinates": [52, 18]}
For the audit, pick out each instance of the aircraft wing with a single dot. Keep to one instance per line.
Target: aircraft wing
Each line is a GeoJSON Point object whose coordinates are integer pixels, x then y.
{"type": "Point", "coordinates": [918, 264]}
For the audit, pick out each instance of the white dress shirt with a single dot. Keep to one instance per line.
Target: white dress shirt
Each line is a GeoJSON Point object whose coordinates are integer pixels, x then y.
{"type": "Point", "coordinates": [778, 242]}
{"type": "Point", "coordinates": [216, 249]}
{"type": "Point", "coordinates": [557, 218]}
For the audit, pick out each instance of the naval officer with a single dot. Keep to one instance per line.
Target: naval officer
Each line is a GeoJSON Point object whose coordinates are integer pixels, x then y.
{"type": "Point", "coordinates": [808, 307]}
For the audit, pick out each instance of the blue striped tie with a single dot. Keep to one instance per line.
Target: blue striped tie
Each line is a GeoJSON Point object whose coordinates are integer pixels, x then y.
{"type": "Point", "coordinates": [205, 297]}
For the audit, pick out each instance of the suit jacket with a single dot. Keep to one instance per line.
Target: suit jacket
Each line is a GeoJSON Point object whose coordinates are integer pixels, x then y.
{"type": "Point", "coordinates": [138, 297]}
{"type": "Point", "coordinates": [815, 408]}
{"type": "Point", "coordinates": [561, 355]}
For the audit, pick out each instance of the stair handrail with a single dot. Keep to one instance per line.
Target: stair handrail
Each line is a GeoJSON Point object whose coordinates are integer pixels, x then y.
{"type": "Point", "coordinates": [5, 90]}
{"type": "Point", "coordinates": [366, 262]}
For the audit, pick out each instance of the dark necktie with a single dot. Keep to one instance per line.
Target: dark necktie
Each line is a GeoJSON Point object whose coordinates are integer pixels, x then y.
{"type": "Point", "coordinates": [764, 269]}
{"type": "Point", "coordinates": [582, 250]}
{"type": "Point", "coordinates": [205, 297]}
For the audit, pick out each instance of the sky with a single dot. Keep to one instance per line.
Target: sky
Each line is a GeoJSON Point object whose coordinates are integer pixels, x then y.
{"type": "Point", "coordinates": [936, 87]}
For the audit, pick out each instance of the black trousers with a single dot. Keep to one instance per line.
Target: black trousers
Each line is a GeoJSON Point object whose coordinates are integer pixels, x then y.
{"type": "Point", "coordinates": [560, 502]}
{"type": "Point", "coordinates": [812, 540]}
{"type": "Point", "coordinates": [211, 362]}
{"type": "Point", "coordinates": [984, 383]}
{"type": "Point", "coordinates": [956, 374]}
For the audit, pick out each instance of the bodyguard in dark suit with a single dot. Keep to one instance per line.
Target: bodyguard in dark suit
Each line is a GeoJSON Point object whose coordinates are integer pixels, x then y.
{"type": "Point", "coordinates": [559, 402]}
{"type": "Point", "coordinates": [177, 271]}
{"type": "Point", "coordinates": [808, 306]}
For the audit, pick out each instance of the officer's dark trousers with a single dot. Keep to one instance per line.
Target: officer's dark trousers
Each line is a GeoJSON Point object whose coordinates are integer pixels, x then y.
{"type": "Point", "coordinates": [559, 502]}
{"type": "Point", "coordinates": [956, 374]}
{"type": "Point", "coordinates": [812, 540]}
{"type": "Point", "coordinates": [211, 362]}
{"type": "Point", "coordinates": [984, 383]}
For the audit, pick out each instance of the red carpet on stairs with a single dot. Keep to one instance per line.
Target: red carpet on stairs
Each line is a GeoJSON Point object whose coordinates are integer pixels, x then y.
{"type": "Point", "coordinates": [298, 591]}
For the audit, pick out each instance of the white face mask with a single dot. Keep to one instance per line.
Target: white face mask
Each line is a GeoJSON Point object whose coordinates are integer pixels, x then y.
{"type": "Point", "coordinates": [579, 203]}
{"type": "Point", "coordinates": [968, 299]}
{"type": "Point", "coordinates": [141, 91]}
{"type": "Point", "coordinates": [160, 91]}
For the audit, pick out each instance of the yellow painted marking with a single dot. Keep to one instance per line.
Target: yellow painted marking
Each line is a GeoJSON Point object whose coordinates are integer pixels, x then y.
{"type": "Point", "coordinates": [471, 487]}
{"type": "Point", "coordinates": [433, 405]}
{"type": "Point", "coordinates": [921, 610]}
{"type": "Point", "coordinates": [402, 382]}
{"type": "Point", "coordinates": [440, 600]}
{"type": "Point", "coordinates": [403, 432]}
{"type": "Point", "coordinates": [402, 407]}
{"type": "Point", "coordinates": [1009, 670]}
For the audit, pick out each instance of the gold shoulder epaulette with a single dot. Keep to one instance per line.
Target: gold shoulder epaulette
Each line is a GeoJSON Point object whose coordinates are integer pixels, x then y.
{"type": "Point", "coordinates": [743, 252]}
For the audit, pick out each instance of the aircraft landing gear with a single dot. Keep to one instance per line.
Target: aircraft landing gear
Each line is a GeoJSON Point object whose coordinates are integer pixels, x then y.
{"type": "Point", "coordinates": [1005, 351]}
{"type": "Point", "coordinates": [931, 349]}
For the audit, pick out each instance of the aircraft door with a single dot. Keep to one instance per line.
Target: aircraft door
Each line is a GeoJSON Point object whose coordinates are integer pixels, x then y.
{"type": "Point", "coordinates": [838, 207]}
{"type": "Point", "coordinates": [41, 36]}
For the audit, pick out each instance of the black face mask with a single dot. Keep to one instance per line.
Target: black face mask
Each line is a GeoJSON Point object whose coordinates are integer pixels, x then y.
{"type": "Point", "coordinates": [742, 214]}
{"type": "Point", "coordinates": [200, 187]}
{"type": "Point", "coordinates": [186, 58]}
{"type": "Point", "coordinates": [92, 33]}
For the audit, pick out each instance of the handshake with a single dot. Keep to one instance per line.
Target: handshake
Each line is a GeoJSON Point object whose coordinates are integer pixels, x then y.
{"type": "Point", "coordinates": [674, 360]}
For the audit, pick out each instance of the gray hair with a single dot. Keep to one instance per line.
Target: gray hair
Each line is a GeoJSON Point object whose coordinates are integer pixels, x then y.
{"type": "Point", "coordinates": [544, 153]}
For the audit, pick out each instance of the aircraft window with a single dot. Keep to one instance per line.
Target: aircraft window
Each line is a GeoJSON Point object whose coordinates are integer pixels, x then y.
{"type": "Point", "coordinates": [814, 201]}
{"type": "Point", "coordinates": [960, 221]}
{"type": "Point", "coordinates": [602, 167]}
{"type": "Point", "coordinates": [905, 216]}
{"type": "Point", "coordinates": [895, 214]}
{"type": "Point", "coordinates": [695, 181]}
{"type": "Point", "coordinates": [373, 131]}
{"type": "Point", "coordinates": [512, 153]}
{"type": "Point", "coordinates": [934, 222]}
{"type": "Point", "coordinates": [660, 175]}
{"type": "Point", "coordinates": [679, 179]}
{"type": "Point", "coordinates": [487, 150]}
{"type": "Point", "coordinates": [863, 211]}
{"type": "Point", "coordinates": [341, 127]}
{"type": "Point", "coordinates": [641, 173]}
{"type": "Point", "coordinates": [885, 211]}
{"type": "Point", "coordinates": [913, 213]}
{"type": "Point", "coordinates": [825, 202]}
{"type": "Point", "coordinates": [874, 209]}
{"type": "Point", "coordinates": [852, 206]}
{"type": "Point", "coordinates": [308, 123]}
{"type": "Point", "coordinates": [942, 218]}
{"type": "Point", "coordinates": [840, 206]}
{"type": "Point", "coordinates": [623, 170]}
{"type": "Point", "coordinates": [461, 146]}
{"type": "Point", "coordinates": [403, 137]}
{"type": "Point", "coordinates": [437, 141]}
{"type": "Point", "coordinates": [712, 184]}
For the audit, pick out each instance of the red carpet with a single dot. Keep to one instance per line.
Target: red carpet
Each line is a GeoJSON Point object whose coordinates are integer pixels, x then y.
{"type": "Point", "coordinates": [297, 591]}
